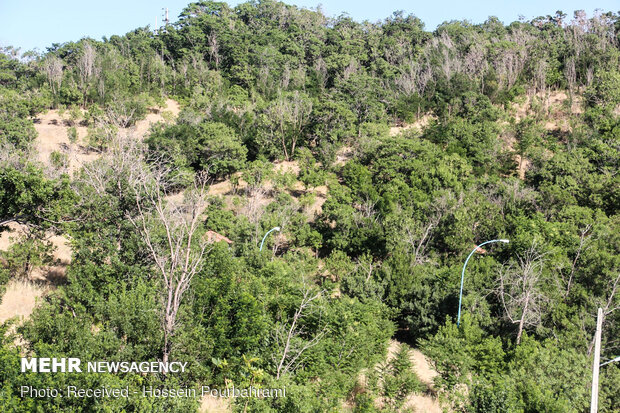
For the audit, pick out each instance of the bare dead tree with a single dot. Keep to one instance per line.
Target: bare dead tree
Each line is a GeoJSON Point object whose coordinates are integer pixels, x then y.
{"type": "Point", "coordinates": [367, 209]}
{"type": "Point", "coordinates": [99, 70]}
{"type": "Point", "coordinates": [475, 62]}
{"type": "Point", "coordinates": [283, 216]}
{"type": "Point", "coordinates": [406, 80]}
{"type": "Point", "coordinates": [123, 160]}
{"type": "Point", "coordinates": [351, 69]}
{"type": "Point", "coordinates": [178, 254]}
{"type": "Point", "coordinates": [119, 113]}
{"type": "Point", "coordinates": [214, 49]}
{"type": "Point", "coordinates": [158, 70]}
{"type": "Point", "coordinates": [414, 77]}
{"type": "Point", "coordinates": [612, 304]}
{"type": "Point", "coordinates": [254, 208]}
{"type": "Point", "coordinates": [589, 75]}
{"type": "Point", "coordinates": [11, 156]}
{"type": "Point", "coordinates": [602, 26]}
{"type": "Point", "coordinates": [366, 264]}
{"type": "Point", "coordinates": [286, 77]}
{"type": "Point", "coordinates": [451, 63]}
{"type": "Point", "coordinates": [299, 77]}
{"type": "Point", "coordinates": [291, 337]}
{"type": "Point", "coordinates": [417, 234]}
{"type": "Point", "coordinates": [510, 64]}
{"type": "Point", "coordinates": [85, 67]}
{"type": "Point", "coordinates": [510, 61]}
{"type": "Point", "coordinates": [540, 76]}
{"type": "Point", "coordinates": [320, 68]}
{"type": "Point", "coordinates": [519, 290]}
{"type": "Point", "coordinates": [182, 68]}
{"type": "Point", "coordinates": [119, 169]}
{"type": "Point", "coordinates": [571, 76]}
{"type": "Point", "coordinates": [290, 113]}
{"type": "Point", "coordinates": [584, 240]}
{"type": "Point", "coordinates": [52, 66]}
{"type": "Point", "coordinates": [576, 31]}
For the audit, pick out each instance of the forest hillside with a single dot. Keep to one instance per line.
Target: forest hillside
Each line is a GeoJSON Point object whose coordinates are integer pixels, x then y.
{"type": "Point", "coordinates": [283, 199]}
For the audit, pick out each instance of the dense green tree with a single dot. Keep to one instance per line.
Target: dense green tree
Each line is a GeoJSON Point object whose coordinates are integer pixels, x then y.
{"type": "Point", "coordinates": [212, 147]}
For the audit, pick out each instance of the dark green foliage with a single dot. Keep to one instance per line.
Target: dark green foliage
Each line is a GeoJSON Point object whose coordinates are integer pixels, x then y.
{"type": "Point", "coordinates": [15, 126]}
{"type": "Point", "coordinates": [27, 196]}
{"type": "Point", "coordinates": [401, 380]}
{"type": "Point", "coordinates": [213, 147]}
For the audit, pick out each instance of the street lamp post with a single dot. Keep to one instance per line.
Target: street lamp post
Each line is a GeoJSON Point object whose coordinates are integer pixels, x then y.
{"type": "Point", "coordinates": [597, 361]}
{"type": "Point", "coordinates": [458, 322]}
{"type": "Point", "coordinates": [263, 241]}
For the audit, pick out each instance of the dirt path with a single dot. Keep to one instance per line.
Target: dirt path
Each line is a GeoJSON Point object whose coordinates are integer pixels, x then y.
{"type": "Point", "coordinates": [423, 369]}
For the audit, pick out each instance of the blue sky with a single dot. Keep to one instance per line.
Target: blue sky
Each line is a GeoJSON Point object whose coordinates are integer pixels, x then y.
{"type": "Point", "coordinates": [30, 24]}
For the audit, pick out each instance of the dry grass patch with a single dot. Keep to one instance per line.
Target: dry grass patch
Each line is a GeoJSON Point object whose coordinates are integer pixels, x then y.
{"type": "Point", "coordinates": [21, 295]}
{"type": "Point", "coordinates": [168, 113]}
{"type": "Point", "coordinates": [53, 137]}
{"type": "Point", "coordinates": [52, 129]}
{"type": "Point", "coordinates": [417, 402]}
{"type": "Point", "coordinates": [214, 405]}
{"type": "Point", "coordinates": [20, 298]}
{"type": "Point", "coordinates": [419, 124]}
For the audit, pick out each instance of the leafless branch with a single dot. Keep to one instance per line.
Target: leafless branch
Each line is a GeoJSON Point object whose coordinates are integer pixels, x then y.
{"type": "Point", "coordinates": [289, 335]}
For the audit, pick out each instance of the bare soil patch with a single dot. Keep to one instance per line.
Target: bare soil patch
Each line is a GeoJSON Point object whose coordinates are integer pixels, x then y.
{"type": "Point", "coordinates": [156, 115]}
{"type": "Point", "coordinates": [343, 155]}
{"type": "Point", "coordinates": [20, 298]}
{"type": "Point", "coordinates": [52, 129]}
{"type": "Point", "coordinates": [287, 166]}
{"type": "Point", "coordinates": [214, 405]}
{"type": "Point", "coordinates": [52, 137]}
{"type": "Point", "coordinates": [417, 402]}
{"type": "Point", "coordinates": [419, 124]}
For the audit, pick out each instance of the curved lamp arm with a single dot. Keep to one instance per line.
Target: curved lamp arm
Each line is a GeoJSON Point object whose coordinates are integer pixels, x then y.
{"type": "Point", "coordinates": [611, 361]}
{"type": "Point", "coordinates": [263, 241]}
{"type": "Point", "coordinates": [458, 319]}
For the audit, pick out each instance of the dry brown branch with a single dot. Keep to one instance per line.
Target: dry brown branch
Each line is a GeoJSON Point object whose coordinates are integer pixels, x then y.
{"type": "Point", "coordinates": [289, 336]}
{"type": "Point", "coordinates": [519, 290]}
{"type": "Point", "coordinates": [52, 66]}
{"type": "Point", "coordinates": [171, 235]}
{"type": "Point", "coordinates": [85, 67]}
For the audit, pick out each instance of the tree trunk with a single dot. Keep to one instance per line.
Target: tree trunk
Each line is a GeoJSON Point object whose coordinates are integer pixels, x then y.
{"type": "Point", "coordinates": [521, 322]}
{"type": "Point", "coordinates": [169, 321]}
{"type": "Point", "coordinates": [520, 331]}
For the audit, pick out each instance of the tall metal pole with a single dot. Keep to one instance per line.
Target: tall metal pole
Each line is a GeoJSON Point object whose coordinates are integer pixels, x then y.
{"type": "Point", "coordinates": [458, 319]}
{"type": "Point", "coordinates": [263, 241]}
{"type": "Point", "coordinates": [597, 361]}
